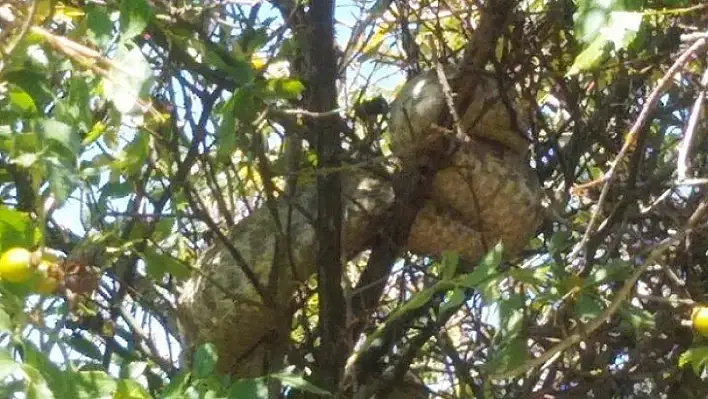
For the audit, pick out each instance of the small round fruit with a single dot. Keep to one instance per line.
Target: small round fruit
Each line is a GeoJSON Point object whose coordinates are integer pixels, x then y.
{"type": "Point", "coordinates": [48, 277]}
{"type": "Point", "coordinates": [46, 285]}
{"type": "Point", "coordinates": [700, 320]}
{"type": "Point", "coordinates": [16, 265]}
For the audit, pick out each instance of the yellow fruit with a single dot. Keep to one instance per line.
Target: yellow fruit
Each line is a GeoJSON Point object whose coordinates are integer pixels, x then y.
{"type": "Point", "coordinates": [48, 277]}
{"type": "Point", "coordinates": [16, 265]}
{"type": "Point", "coordinates": [46, 285]}
{"type": "Point", "coordinates": [700, 320]}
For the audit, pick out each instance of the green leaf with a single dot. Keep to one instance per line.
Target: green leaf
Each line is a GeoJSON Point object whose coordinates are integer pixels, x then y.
{"type": "Point", "coordinates": [95, 384]}
{"type": "Point", "coordinates": [27, 160]}
{"type": "Point", "coordinates": [94, 134]}
{"type": "Point", "coordinates": [158, 264]}
{"type": "Point", "coordinates": [87, 348]}
{"type": "Point", "coordinates": [559, 241]}
{"type": "Point", "coordinates": [484, 270]}
{"type": "Point", "coordinates": [589, 21]}
{"type": "Point", "coordinates": [697, 357]}
{"type": "Point", "coordinates": [140, 229]}
{"type": "Point", "coordinates": [129, 81]}
{"type": "Point", "coordinates": [8, 365]}
{"type": "Point", "coordinates": [212, 394]}
{"type": "Point", "coordinates": [12, 389]}
{"type": "Point", "coordinates": [251, 40]}
{"type": "Point", "coordinates": [134, 17]}
{"type": "Point", "coordinates": [285, 88]}
{"type": "Point", "coordinates": [299, 383]}
{"type": "Point", "coordinates": [614, 270]}
{"type": "Point", "coordinates": [587, 307]}
{"type": "Point", "coordinates": [76, 110]}
{"type": "Point", "coordinates": [39, 390]}
{"type": "Point", "coordinates": [512, 354]}
{"type": "Point", "coordinates": [245, 105]}
{"type": "Point", "coordinates": [205, 360]}
{"type": "Point", "coordinates": [32, 82]}
{"type": "Point", "coordinates": [640, 319]}
{"type": "Point", "coordinates": [622, 28]}
{"type": "Point", "coordinates": [226, 132]}
{"type": "Point", "coordinates": [255, 388]}
{"type": "Point", "coordinates": [16, 229]}
{"type": "Point", "coordinates": [177, 386]}
{"type": "Point", "coordinates": [117, 189]}
{"type": "Point", "coordinates": [22, 100]}
{"type": "Point", "coordinates": [238, 68]}
{"type": "Point", "coordinates": [6, 324]}
{"type": "Point", "coordinates": [454, 301]}
{"type": "Point", "coordinates": [129, 389]}
{"type": "Point", "coordinates": [61, 181]}
{"type": "Point", "coordinates": [589, 58]}
{"type": "Point", "coordinates": [489, 288]}
{"type": "Point", "coordinates": [511, 315]}
{"type": "Point", "coordinates": [60, 133]}
{"type": "Point", "coordinates": [133, 157]}
{"type": "Point", "coordinates": [450, 261]}
{"type": "Point", "coordinates": [60, 382]}
{"type": "Point", "coordinates": [418, 300]}
{"type": "Point", "coordinates": [99, 26]}
{"type": "Point", "coordinates": [533, 276]}
{"type": "Point", "coordinates": [37, 387]}
{"type": "Point", "coordinates": [164, 229]}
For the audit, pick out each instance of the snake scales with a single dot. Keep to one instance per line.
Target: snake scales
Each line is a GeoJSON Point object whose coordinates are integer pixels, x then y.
{"type": "Point", "coordinates": [487, 194]}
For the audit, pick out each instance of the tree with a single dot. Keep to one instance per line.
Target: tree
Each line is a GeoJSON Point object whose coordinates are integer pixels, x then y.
{"type": "Point", "coordinates": [214, 200]}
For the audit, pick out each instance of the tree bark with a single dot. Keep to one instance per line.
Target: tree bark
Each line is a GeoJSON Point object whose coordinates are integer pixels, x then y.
{"type": "Point", "coordinates": [322, 93]}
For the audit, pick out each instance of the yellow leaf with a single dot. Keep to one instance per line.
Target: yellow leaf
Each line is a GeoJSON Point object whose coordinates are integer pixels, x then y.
{"type": "Point", "coordinates": [67, 13]}
{"type": "Point", "coordinates": [257, 63]}
{"type": "Point", "coordinates": [43, 9]}
{"type": "Point", "coordinates": [375, 41]}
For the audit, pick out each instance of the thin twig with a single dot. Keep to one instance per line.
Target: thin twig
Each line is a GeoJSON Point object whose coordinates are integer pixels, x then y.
{"type": "Point", "coordinates": [584, 330]}
{"type": "Point", "coordinates": [690, 134]}
{"type": "Point", "coordinates": [304, 112]}
{"type": "Point", "coordinates": [447, 92]}
{"type": "Point", "coordinates": [23, 32]}
{"type": "Point", "coordinates": [698, 181]}
{"type": "Point", "coordinates": [376, 11]}
{"type": "Point", "coordinates": [646, 209]}
{"type": "Point", "coordinates": [152, 350]}
{"type": "Point", "coordinates": [676, 11]}
{"type": "Point", "coordinates": [669, 300]}
{"type": "Point", "coordinates": [690, 37]}
{"type": "Point", "coordinates": [632, 136]}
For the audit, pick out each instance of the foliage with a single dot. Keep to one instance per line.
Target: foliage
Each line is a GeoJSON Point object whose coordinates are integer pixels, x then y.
{"type": "Point", "coordinates": [151, 128]}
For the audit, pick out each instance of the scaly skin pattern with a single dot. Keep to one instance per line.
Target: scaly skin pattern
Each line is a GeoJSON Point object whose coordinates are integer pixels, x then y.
{"type": "Point", "coordinates": [488, 194]}
{"type": "Point", "coordinates": [232, 315]}
{"type": "Point", "coordinates": [477, 202]}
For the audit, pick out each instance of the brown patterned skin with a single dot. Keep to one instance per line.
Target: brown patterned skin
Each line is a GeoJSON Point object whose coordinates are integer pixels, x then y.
{"type": "Point", "coordinates": [235, 318]}
{"type": "Point", "coordinates": [421, 100]}
{"type": "Point", "coordinates": [477, 202]}
{"type": "Point", "coordinates": [487, 195]}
